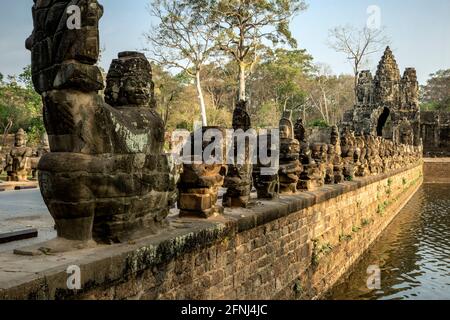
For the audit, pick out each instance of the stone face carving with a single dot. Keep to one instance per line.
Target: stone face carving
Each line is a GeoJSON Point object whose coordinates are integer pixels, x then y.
{"type": "Point", "coordinates": [107, 178]}
{"type": "Point", "coordinates": [383, 101]}
{"type": "Point", "coordinates": [201, 178]}
{"type": "Point", "coordinates": [290, 167]}
{"type": "Point", "coordinates": [239, 178]}
{"type": "Point", "coordinates": [387, 80]}
{"type": "Point", "coordinates": [18, 160]}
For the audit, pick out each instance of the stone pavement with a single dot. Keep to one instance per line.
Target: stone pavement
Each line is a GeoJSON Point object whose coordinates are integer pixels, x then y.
{"type": "Point", "coordinates": [22, 210]}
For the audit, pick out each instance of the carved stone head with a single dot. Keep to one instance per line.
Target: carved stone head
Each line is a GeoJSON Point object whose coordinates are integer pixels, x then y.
{"type": "Point", "coordinates": [20, 138]}
{"type": "Point", "coordinates": [129, 81]}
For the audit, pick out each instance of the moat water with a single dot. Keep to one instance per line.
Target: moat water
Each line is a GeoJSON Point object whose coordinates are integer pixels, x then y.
{"type": "Point", "coordinates": [413, 254]}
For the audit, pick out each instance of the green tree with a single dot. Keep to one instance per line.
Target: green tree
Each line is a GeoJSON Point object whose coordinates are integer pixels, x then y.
{"type": "Point", "coordinates": [281, 78]}
{"type": "Point", "coordinates": [245, 27]}
{"type": "Point", "coordinates": [183, 39]}
{"type": "Point", "coordinates": [21, 106]}
{"type": "Point", "coordinates": [435, 95]}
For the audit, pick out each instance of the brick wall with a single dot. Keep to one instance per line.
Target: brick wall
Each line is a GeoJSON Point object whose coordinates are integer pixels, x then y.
{"type": "Point", "coordinates": [296, 257]}
{"type": "Point", "coordinates": [295, 248]}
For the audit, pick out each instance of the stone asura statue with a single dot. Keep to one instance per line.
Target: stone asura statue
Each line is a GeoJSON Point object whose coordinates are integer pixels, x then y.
{"type": "Point", "coordinates": [300, 131]}
{"type": "Point", "coordinates": [290, 167]}
{"type": "Point", "coordinates": [365, 88]}
{"type": "Point", "coordinates": [201, 178]}
{"type": "Point", "coordinates": [335, 153]}
{"type": "Point", "coordinates": [310, 177]}
{"type": "Point", "coordinates": [265, 178]}
{"type": "Point", "coordinates": [348, 154]}
{"type": "Point", "coordinates": [38, 153]}
{"type": "Point", "coordinates": [239, 178]}
{"type": "Point", "coordinates": [107, 178]}
{"type": "Point", "coordinates": [18, 160]}
{"type": "Point", "coordinates": [405, 132]}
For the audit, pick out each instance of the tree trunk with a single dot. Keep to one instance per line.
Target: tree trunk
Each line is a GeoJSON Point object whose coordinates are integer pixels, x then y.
{"type": "Point", "coordinates": [325, 101]}
{"type": "Point", "coordinates": [201, 98]}
{"type": "Point", "coordinates": [242, 95]}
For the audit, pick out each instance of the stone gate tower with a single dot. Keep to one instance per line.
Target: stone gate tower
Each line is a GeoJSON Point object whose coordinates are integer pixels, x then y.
{"type": "Point", "coordinates": [387, 104]}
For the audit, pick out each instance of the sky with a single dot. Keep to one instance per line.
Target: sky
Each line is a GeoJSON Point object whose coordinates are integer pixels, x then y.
{"type": "Point", "coordinates": [419, 31]}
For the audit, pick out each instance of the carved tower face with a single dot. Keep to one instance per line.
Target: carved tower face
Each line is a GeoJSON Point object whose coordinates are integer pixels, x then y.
{"type": "Point", "coordinates": [387, 80]}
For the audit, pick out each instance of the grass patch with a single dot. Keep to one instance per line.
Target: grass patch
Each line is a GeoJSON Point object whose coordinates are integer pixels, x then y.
{"type": "Point", "coordinates": [389, 182]}
{"type": "Point", "coordinates": [319, 251]}
{"type": "Point", "coordinates": [365, 222]}
{"type": "Point", "coordinates": [345, 237]}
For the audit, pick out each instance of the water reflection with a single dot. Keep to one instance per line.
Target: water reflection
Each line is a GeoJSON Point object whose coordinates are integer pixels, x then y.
{"type": "Point", "coordinates": [413, 253]}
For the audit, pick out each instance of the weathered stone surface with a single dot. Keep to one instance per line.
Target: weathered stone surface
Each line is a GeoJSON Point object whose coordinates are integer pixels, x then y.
{"type": "Point", "coordinates": [127, 84]}
{"type": "Point", "coordinates": [239, 177]}
{"type": "Point", "coordinates": [107, 178]}
{"type": "Point", "coordinates": [201, 178]}
{"type": "Point", "coordinates": [265, 179]}
{"type": "Point", "coordinates": [18, 161]}
{"type": "Point", "coordinates": [435, 133]}
{"type": "Point", "coordinates": [384, 101]}
{"type": "Point", "coordinates": [290, 167]}
{"type": "Point", "coordinates": [269, 252]}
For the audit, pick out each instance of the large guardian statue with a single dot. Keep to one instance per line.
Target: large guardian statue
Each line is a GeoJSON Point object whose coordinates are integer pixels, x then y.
{"type": "Point", "coordinates": [107, 178]}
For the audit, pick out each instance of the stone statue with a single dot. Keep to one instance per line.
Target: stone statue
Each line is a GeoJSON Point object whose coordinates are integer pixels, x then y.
{"type": "Point", "coordinates": [107, 178]}
{"type": "Point", "coordinates": [319, 153]}
{"type": "Point", "coordinates": [239, 178]}
{"type": "Point", "coordinates": [42, 150]}
{"type": "Point", "coordinates": [335, 152]}
{"type": "Point", "coordinates": [290, 167]}
{"type": "Point", "coordinates": [405, 132]}
{"type": "Point", "coordinates": [348, 152]}
{"type": "Point", "coordinates": [18, 160]}
{"type": "Point", "coordinates": [365, 88]}
{"type": "Point", "coordinates": [266, 183]}
{"type": "Point", "coordinates": [201, 180]}
{"type": "Point", "coordinates": [300, 131]}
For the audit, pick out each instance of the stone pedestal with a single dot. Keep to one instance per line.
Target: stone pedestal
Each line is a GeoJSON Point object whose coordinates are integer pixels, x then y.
{"type": "Point", "coordinates": [203, 174]}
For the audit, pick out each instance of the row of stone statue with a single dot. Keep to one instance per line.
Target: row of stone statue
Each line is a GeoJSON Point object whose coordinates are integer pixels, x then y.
{"type": "Point", "coordinates": [21, 161]}
{"type": "Point", "coordinates": [303, 166]}
{"type": "Point", "coordinates": [107, 177]}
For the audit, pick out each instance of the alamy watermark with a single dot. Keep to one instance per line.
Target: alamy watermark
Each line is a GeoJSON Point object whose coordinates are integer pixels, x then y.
{"type": "Point", "coordinates": [212, 146]}
{"type": "Point", "coordinates": [374, 279]}
{"type": "Point", "coordinates": [74, 17]}
{"type": "Point", "coordinates": [374, 17]}
{"type": "Point", "coordinates": [74, 279]}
